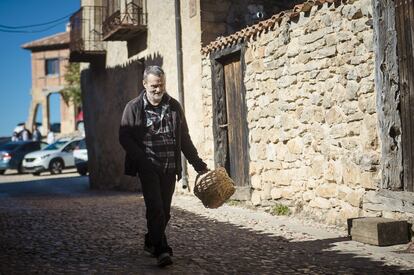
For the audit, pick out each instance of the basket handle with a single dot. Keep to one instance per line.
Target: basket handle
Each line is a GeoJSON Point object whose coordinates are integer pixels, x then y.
{"type": "Point", "coordinates": [198, 175]}
{"type": "Point", "coordinates": [201, 173]}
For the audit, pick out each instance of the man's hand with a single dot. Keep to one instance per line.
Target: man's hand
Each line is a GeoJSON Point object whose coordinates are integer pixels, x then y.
{"type": "Point", "coordinates": [202, 172]}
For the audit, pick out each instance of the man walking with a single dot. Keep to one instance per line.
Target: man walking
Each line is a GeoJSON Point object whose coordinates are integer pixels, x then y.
{"type": "Point", "coordinates": [153, 133]}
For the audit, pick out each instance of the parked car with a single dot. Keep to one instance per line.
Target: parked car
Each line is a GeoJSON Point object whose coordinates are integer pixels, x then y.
{"type": "Point", "coordinates": [81, 158]}
{"type": "Point", "coordinates": [54, 158]}
{"type": "Point", "coordinates": [4, 140]}
{"type": "Point", "coordinates": [12, 154]}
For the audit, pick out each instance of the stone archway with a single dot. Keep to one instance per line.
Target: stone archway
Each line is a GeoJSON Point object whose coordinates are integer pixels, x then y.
{"type": "Point", "coordinates": [39, 99]}
{"type": "Point", "coordinates": [42, 98]}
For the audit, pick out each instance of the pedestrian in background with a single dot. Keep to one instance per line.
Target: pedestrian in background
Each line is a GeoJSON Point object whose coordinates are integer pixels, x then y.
{"type": "Point", "coordinates": [15, 136]}
{"type": "Point", "coordinates": [25, 134]}
{"type": "Point", "coordinates": [153, 134]}
{"type": "Point", "coordinates": [36, 135]}
{"type": "Point", "coordinates": [50, 137]}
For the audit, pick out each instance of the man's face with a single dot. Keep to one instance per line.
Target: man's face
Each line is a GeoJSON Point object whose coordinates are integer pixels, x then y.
{"type": "Point", "coordinates": [155, 87]}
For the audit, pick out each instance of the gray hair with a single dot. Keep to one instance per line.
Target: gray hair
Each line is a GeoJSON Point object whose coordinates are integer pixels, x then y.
{"type": "Point", "coordinates": [154, 70]}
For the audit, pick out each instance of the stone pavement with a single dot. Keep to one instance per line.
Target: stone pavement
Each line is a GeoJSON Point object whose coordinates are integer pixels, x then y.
{"type": "Point", "coordinates": [55, 225]}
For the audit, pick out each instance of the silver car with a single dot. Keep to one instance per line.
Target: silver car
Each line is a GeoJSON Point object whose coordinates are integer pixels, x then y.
{"type": "Point", "coordinates": [81, 158]}
{"type": "Point", "coordinates": [54, 158]}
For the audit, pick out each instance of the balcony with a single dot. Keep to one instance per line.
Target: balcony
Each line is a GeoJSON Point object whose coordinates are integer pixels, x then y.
{"type": "Point", "coordinates": [86, 42]}
{"type": "Point", "coordinates": [124, 22]}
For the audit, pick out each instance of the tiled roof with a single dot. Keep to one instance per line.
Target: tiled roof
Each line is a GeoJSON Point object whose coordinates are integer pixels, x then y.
{"type": "Point", "coordinates": [60, 39]}
{"type": "Point", "coordinates": [265, 25]}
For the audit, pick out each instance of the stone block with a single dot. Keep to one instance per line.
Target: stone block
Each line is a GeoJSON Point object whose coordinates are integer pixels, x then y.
{"type": "Point", "coordinates": [319, 202]}
{"type": "Point", "coordinates": [334, 116]}
{"type": "Point", "coordinates": [378, 231]}
{"type": "Point", "coordinates": [308, 195]}
{"type": "Point", "coordinates": [276, 193]}
{"type": "Point", "coordinates": [266, 192]}
{"type": "Point", "coordinates": [256, 181]}
{"type": "Point", "coordinates": [256, 197]}
{"type": "Point", "coordinates": [289, 192]}
{"type": "Point", "coordinates": [327, 190]}
{"type": "Point", "coordinates": [354, 198]}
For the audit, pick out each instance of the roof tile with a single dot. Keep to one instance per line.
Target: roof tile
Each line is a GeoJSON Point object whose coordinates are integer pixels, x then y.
{"type": "Point", "coordinates": [262, 26]}
{"type": "Point", "coordinates": [59, 39]}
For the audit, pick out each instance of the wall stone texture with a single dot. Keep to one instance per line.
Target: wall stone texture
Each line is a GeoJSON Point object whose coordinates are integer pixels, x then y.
{"type": "Point", "coordinates": [313, 126]}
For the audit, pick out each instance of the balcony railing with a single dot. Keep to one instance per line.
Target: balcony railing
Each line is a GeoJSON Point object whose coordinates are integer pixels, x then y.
{"type": "Point", "coordinates": [86, 42]}
{"type": "Point", "coordinates": [125, 23]}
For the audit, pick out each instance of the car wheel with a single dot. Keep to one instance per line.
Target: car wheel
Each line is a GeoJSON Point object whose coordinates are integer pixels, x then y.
{"type": "Point", "coordinates": [82, 172]}
{"type": "Point", "coordinates": [56, 166]}
{"type": "Point", "coordinates": [36, 174]}
{"type": "Point", "coordinates": [20, 169]}
{"type": "Point", "coordinates": [2, 172]}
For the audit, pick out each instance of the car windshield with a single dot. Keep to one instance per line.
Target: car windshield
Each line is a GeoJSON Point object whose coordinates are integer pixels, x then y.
{"type": "Point", "coordinates": [55, 146]}
{"type": "Point", "coordinates": [9, 146]}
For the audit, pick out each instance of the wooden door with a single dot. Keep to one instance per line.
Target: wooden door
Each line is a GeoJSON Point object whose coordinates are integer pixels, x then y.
{"type": "Point", "coordinates": [236, 121]}
{"type": "Point", "coordinates": [404, 21]}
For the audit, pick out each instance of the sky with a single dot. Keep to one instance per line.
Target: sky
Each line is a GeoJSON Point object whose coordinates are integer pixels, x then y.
{"type": "Point", "coordinates": [15, 62]}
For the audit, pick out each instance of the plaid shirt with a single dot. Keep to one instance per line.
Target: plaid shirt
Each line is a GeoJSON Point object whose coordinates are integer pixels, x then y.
{"type": "Point", "coordinates": [159, 140]}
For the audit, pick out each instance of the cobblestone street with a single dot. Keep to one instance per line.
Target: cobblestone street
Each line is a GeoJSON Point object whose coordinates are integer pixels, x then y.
{"type": "Point", "coordinates": [56, 225]}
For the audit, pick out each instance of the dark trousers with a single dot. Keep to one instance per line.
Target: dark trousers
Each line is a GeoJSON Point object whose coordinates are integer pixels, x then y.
{"type": "Point", "coordinates": [158, 189]}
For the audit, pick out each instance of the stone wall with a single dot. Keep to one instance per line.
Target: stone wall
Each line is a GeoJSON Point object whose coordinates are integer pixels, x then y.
{"type": "Point", "coordinates": [315, 148]}
{"type": "Point", "coordinates": [313, 126]}
{"type": "Point", "coordinates": [208, 148]}
{"type": "Point", "coordinates": [224, 17]}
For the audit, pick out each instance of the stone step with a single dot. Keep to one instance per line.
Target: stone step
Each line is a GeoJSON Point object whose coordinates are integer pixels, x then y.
{"type": "Point", "coordinates": [378, 231]}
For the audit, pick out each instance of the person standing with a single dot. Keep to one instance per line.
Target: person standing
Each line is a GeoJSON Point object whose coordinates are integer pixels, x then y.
{"type": "Point", "coordinates": [153, 133]}
{"type": "Point", "coordinates": [25, 134]}
{"type": "Point", "coordinates": [50, 137]}
{"type": "Point", "coordinates": [36, 135]}
{"type": "Point", "coordinates": [15, 136]}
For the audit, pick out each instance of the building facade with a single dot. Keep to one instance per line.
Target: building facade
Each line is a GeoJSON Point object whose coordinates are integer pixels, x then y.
{"type": "Point", "coordinates": [117, 39]}
{"type": "Point", "coordinates": [50, 57]}
{"type": "Point", "coordinates": [301, 102]}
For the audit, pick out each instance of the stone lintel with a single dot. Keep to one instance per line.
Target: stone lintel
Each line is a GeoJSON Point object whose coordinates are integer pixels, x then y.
{"type": "Point", "coordinates": [378, 231]}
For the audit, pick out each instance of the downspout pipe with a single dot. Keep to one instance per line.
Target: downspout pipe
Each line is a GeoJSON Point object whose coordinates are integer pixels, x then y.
{"type": "Point", "coordinates": [179, 53]}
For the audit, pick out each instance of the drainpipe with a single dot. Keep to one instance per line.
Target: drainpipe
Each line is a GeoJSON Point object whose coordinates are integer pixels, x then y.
{"type": "Point", "coordinates": [178, 44]}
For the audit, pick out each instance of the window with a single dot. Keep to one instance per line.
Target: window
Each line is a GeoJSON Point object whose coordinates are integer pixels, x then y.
{"type": "Point", "coordinates": [52, 66]}
{"type": "Point", "coordinates": [71, 146]}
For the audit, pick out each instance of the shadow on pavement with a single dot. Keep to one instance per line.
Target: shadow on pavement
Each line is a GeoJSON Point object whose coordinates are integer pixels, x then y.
{"type": "Point", "coordinates": [236, 250]}
{"type": "Point", "coordinates": [15, 173]}
{"type": "Point", "coordinates": [59, 226]}
{"type": "Point", "coordinates": [45, 187]}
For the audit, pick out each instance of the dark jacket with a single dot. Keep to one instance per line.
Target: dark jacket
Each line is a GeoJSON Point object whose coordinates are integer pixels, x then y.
{"type": "Point", "coordinates": [131, 133]}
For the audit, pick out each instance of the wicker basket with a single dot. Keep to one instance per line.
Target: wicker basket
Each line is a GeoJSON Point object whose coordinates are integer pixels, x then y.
{"type": "Point", "coordinates": [214, 188]}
